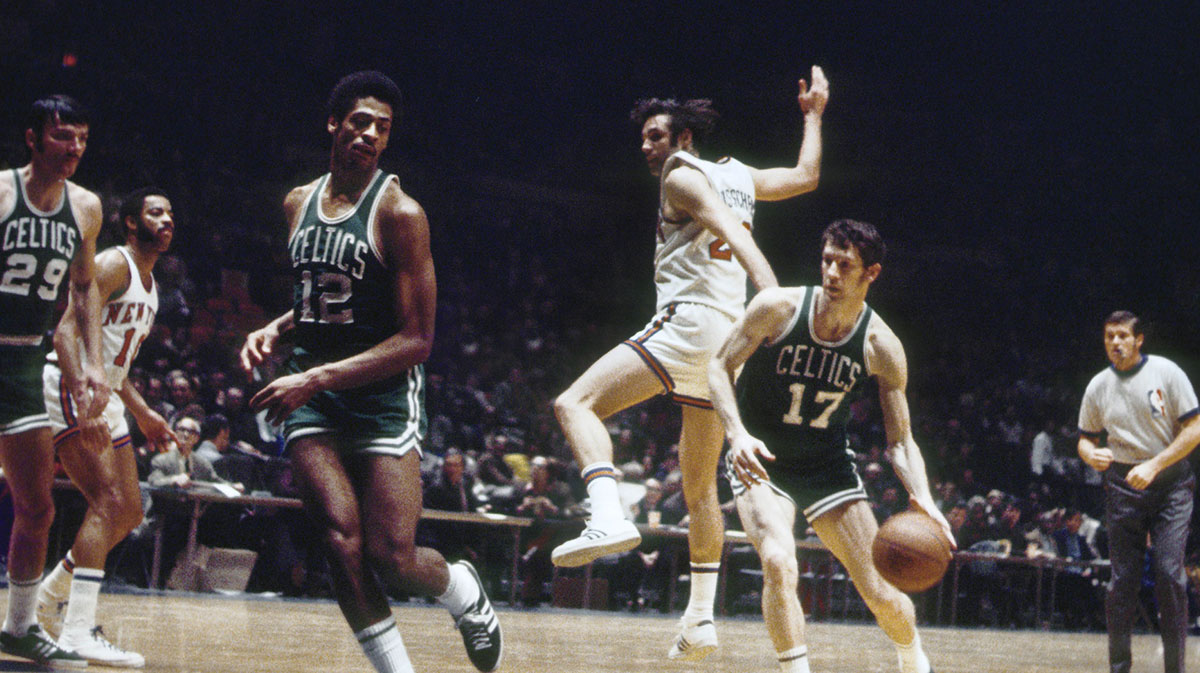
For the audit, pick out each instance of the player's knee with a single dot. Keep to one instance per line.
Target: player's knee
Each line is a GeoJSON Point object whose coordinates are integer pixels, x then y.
{"type": "Point", "coordinates": [565, 404]}
{"type": "Point", "coordinates": [400, 556]}
{"type": "Point", "coordinates": [343, 544]}
{"type": "Point", "coordinates": [779, 567]}
{"type": "Point", "coordinates": [127, 512]}
{"type": "Point", "coordinates": [701, 495]}
{"type": "Point", "coordinates": [36, 513]}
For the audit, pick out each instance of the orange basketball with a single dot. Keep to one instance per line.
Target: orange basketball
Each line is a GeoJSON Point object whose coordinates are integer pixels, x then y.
{"type": "Point", "coordinates": [911, 552]}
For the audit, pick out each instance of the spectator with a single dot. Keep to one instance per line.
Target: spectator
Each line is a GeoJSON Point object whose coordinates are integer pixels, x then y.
{"type": "Point", "coordinates": [1041, 456]}
{"type": "Point", "coordinates": [639, 578]}
{"type": "Point", "coordinates": [179, 466]}
{"type": "Point", "coordinates": [1078, 594]}
{"type": "Point", "coordinates": [544, 497]}
{"type": "Point", "coordinates": [214, 438]}
{"type": "Point", "coordinates": [231, 402]}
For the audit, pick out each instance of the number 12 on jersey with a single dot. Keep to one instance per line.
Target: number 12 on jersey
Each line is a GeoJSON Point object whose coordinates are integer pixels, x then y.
{"type": "Point", "coordinates": [332, 290]}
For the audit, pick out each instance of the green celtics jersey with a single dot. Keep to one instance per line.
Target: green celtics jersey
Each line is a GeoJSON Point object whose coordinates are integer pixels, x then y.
{"type": "Point", "coordinates": [343, 293]}
{"type": "Point", "coordinates": [794, 393]}
{"type": "Point", "coordinates": [36, 249]}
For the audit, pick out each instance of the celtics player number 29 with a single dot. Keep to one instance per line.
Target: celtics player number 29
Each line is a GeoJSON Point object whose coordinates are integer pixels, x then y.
{"type": "Point", "coordinates": [23, 266]}
{"type": "Point", "coordinates": [333, 290]}
{"type": "Point", "coordinates": [829, 398]}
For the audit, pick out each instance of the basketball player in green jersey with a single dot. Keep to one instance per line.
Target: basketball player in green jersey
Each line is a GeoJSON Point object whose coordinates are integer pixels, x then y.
{"type": "Point", "coordinates": [48, 230]}
{"type": "Point", "coordinates": [807, 352]}
{"type": "Point", "coordinates": [352, 402]}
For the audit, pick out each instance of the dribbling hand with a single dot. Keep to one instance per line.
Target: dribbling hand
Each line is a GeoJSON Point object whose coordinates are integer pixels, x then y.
{"type": "Point", "coordinates": [934, 513]}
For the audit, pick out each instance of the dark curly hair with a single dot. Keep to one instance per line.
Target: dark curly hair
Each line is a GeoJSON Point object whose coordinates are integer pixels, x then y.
{"type": "Point", "coordinates": [362, 84]}
{"type": "Point", "coordinates": [696, 114]}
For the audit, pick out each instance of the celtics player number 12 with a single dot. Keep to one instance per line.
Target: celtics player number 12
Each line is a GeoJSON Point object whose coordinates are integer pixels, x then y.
{"type": "Point", "coordinates": [334, 289]}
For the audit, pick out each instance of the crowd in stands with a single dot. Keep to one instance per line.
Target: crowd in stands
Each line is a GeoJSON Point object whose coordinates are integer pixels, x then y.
{"type": "Point", "coordinates": [998, 439]}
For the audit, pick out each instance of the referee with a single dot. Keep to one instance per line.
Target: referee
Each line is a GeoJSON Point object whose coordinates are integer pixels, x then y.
{"type": "Point", "coordinates": [1147, 408]}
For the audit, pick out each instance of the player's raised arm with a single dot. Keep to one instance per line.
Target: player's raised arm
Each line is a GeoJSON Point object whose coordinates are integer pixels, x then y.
{"type": "Point", "coordinates": [887, 362]}
{"type": "Point", "coordinates": [689, 191]}
{"type": "Point", "coordinates": [774, 184]}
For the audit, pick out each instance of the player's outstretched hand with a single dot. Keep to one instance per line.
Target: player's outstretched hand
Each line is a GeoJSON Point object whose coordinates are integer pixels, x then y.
{"type": "Point", "coordinates": [744, 453]}
{"type": "Point", "coordinates": [813, 100]}
{"type": "Point", "coordinates": [258, 346]}
{"type": "Point", "coordinates": [157, 431]}
{"type": "Point", "coordinates": [284, 395]}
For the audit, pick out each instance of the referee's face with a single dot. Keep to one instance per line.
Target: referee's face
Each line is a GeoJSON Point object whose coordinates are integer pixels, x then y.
{"type": "Point", "coordinates": [1123, 347]}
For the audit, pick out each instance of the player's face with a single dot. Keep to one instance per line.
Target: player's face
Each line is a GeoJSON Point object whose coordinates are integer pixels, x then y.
{"type": "Point", "coordinates": [1123, 348]}
{"type": "Point", "coordinates": [656, 142]}
{"type": "Point", "coordinates": [361, 136]}
{"type": "Point", "coordinates": [842, 272]}
{"type": "Point", "coordinates": [157, 223]}
{"type": "Point", "coordinates": [59, 149]}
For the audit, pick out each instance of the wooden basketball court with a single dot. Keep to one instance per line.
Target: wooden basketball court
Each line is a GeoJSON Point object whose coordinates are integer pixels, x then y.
{"type": "Point", "coordinates": [192, 633]}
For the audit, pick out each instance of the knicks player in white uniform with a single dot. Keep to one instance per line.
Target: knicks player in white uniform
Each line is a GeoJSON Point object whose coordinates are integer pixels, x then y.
{"type": "Point", "coordinates": [106, 473]}
{"type": "Point", "coordinates": [704, 254]}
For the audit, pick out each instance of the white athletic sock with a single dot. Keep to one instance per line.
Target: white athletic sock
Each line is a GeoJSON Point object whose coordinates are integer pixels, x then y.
{"type": "Point", "coordinates": [461, 593]}
{"type": "Point", "coordinates": [81, 611]}
{"type": "Point", "coordinates": [384, 647]}
{"type": "Point", "coordinates": [794, 660]}
{"type": "Point", "coordinates": [912, 656]}
{"type": "Point", "coordinates": [703, 592]}
{"type": "Point", "coordinates": [58, 582]}
{"type": "Point", "coordinates": [601, 481]}
{"type": "Point", "coordinates": [22, 605]}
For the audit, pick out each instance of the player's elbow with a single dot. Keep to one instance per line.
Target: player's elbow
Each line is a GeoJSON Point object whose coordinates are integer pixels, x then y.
{"type": "Point", "coordinates": [809, 182]}
{"type": "Point", "coordinates": [424, 348]}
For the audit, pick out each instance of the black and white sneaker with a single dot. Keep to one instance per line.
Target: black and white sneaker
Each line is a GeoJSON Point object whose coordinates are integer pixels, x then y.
{"type": "Point", "coordinates": [36, 646]}
{"type": "Point", "coordinates": [480, 629]}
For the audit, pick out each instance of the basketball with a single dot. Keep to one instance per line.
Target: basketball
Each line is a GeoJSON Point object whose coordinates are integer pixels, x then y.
{"type": "Point", "coordinates": [911, 552]}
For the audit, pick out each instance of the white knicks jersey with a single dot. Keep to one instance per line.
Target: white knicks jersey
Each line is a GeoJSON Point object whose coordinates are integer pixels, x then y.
{"type": "Point", "coordinates": [690, 263]}
{"type": "Point", "coordinates": [125, 321]}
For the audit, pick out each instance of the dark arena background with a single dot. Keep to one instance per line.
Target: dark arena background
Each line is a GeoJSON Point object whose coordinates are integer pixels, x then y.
{"type": "Point", "coordinates": [1031, 166]}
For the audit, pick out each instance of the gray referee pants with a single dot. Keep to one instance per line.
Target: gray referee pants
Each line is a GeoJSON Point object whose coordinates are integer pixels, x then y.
{"type": "Point", "coordinates": [1163, 510]}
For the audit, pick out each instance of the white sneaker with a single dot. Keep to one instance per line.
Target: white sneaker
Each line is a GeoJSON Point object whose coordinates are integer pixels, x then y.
{"type": "Point", "coordinates": [51, 610]}
{"type": "Point", "coordinates": [595, 542]}
{"type": "Point", "coordinates": [694, 642]}
{"type": "Point", "coordinates": [96, 649]}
